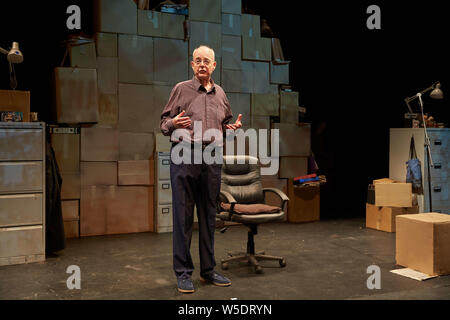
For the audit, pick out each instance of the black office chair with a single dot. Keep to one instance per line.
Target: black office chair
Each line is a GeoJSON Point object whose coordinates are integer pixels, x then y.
{"type": "Point", "coordinates": [241, 184]}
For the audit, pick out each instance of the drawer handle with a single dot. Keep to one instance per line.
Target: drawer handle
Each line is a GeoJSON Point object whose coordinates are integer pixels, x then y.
{"type": "Point", "coordinates": [165, 162]}
{"type": "Point", "coordinates": [165, 210]}
{"type": "Point", "coordinates": [165, 186]}
{"type": "Point", "coordinates": [437, 189]}
{"type": "Point", "coordinates": [437, 142]}
{"type": "Point", "coordinates": [437, 165]}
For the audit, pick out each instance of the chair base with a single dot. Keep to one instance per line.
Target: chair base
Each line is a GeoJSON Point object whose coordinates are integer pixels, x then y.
{"type": "Point", "coordinates": [251, 259]}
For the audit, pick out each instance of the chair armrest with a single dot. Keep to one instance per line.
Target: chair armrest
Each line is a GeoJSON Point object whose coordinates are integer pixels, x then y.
{"type": "Point", "coordinates": [284, 198]}
{"type": "Point", "coordinates": [229, 198]}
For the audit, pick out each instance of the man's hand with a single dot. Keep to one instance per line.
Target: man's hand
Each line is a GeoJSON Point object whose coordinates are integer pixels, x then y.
{"type": "Point", "coordinates": [236, 125]}
{"type": "Point", "coordinates": [181, 122]}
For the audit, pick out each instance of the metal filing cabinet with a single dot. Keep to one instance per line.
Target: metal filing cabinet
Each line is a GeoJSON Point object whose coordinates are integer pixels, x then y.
{"type": "Point", "coordinates": [163, 193]}
{"type": "Point", "coordinates": [22, 192]}
{"type": "Point", "coordinates": [400, 139]}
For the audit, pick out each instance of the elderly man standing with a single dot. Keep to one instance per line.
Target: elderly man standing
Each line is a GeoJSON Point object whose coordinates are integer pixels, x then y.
{"type": "Point", "coordinates": [198, 99]}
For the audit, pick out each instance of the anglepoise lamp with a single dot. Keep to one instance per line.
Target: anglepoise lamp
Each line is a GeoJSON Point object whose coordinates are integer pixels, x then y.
{"type": "Point", "coordinates": [436, 93]}
{"type": "Point", "coordinates": [14, 56]}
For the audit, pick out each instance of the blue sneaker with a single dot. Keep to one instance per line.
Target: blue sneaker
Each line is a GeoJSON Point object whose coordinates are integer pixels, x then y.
{"type": "Point", "coordinates": [185, 285]}
{"type": "Point", "coordinates": [216, 279]}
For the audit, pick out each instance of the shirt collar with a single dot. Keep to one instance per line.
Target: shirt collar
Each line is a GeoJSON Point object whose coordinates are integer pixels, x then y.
{"type": "Point", "coordinates": [198, 86]}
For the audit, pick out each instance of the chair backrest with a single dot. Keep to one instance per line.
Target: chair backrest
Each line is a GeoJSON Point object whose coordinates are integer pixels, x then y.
{"type": "Point", "coordinates": [242, 180]}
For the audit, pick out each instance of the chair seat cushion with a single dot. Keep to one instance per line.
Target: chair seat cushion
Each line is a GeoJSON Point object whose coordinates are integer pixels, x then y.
{"type": "Point", "coordinates": [251, 209]}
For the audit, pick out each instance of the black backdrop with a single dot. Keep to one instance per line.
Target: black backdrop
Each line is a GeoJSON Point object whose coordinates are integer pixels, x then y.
{"type": "Point", "coordinates": [352, 80]}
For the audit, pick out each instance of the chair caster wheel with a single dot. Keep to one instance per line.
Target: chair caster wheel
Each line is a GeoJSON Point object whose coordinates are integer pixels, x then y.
{"type": "Point", "coordinates": [224, 266]}
{"type": "Point", "coordinates": [258, 269]}
{"type": "Point", "coordinates": [282, 263]}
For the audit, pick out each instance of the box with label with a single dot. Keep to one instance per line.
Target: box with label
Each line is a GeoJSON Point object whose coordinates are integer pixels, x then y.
{"type": "Point", "coordinates": [76, 95]}
{"type": "Point", "coordinates": [423, 242]}
{"type": "Point", "coordinates": [136, 59]}
{"type": "Point", "coordinates": [383, 218]}
{"type": "Point", "coordinates": [106, 44]}
{"type": "Point", "coordinates": [115, 16]}
{"type": "Point", "coordinates": [83, 56]}
{"type": "Point", "coordinates": [205, 10]}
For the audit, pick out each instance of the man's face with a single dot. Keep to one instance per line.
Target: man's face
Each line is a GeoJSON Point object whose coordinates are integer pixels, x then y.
{"type": "Point", "coordinates": [203, 63]}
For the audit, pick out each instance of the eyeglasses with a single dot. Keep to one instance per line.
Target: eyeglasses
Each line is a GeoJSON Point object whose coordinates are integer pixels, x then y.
{"type": "Point", "coordinates": [206, 62]}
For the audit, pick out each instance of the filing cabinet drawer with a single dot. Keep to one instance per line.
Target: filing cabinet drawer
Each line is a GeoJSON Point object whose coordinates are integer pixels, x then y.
{"type": "Point", "coordinates": [21, 144]}
{"type": "Point", "coordinates": [164, 218]}
{"type": "Point", "coordinates": [164, 192]}
{"type": "Point", "coordinates": [164, 167]}
{"type": "Point", "coordinates": [21, 209]}
{"type": "Point", "coordinates": [439, 143]}
{"type": "Point", "coordinates": [440, 169]}
{"type": "Point", "coordinates": [21, 241]}
{"type": "Point", "coordinates": [439, 191]}
{"type": "Point", "coordinates": [21, 176]}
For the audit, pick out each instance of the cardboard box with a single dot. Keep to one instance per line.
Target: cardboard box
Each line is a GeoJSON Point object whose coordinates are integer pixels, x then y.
{"type": "Point", "coordinates": [205, 10]}
{"type": "Point", "coordinates": [70, 210]}
{"type": "Point", "coordinates": [99, 144]}
{"type": "Point", "coordinates": [136, 62]}
{"type": "Point", "coordinates": [232, 6]}
{"type": "Point", "coordinates": [108, 109]}
{"type": "Point", "coordinates": [76, 95]}
{"type": "Point", "coordinates": [106, 44]}
{"type": "Point", "coordinates": [136, 146]}
{"type": "Point", "coordinates": [396, 194]}
{"type": "Point", "coordinates": [256, 48]}
{"type": "Point", "coordinates": [240, 104]}
{"type": "Point", "coordinates": [264, 104]}
{"type": "Point", "coordinates": [289, 114]}
{"type": "Point", "coordinates": [162, 143]}
{"type": "Point", "coordinates": [70, 188]}
{"type": "Point", "coordinates": [83, 56]}
{"type": "Point", "coordinates": [255, 78]}
{"type": "Point", "coordinates": [250, 25]}
{"type": "Point", "coordinates": [140, 106]}
{"type": "Point", "coordinates": [140, 172]}
{"type": "Point", "coordinates": [231, 24]}
{"type": "Point", "coordinates": [291, 167]}
{"type": "Point", "coordinates": [115, 16]}
{"type": "Point", "coordinates": [231, 52]}
{"type": "Point", "coordinates": [71, 228]}
{"type": "Point", "coordinates": [171, 60]}
{"type": "Point", "coordinates": [173, 26]}
{"type": "Point", "coordinates": [205, 33]}
{"type": "Point", "coordinates": [107, 74]}
{"type": "Point", "coordinates": [115, 210]}
{"type": "Point", "coordinates": [16, 101]}
{"type": "Point", "coordinates": [67, 151]}
{"type": "Point", "coordinates": [149, 23]}
{"type": "Point", "coordinates": [383, 218]}
{"type": "Point", "coordinates": [231, 80]}
{"type": "Point", "coordinates": [423, 242]}
{"type": "Point", "coordinates": [279, 73]}
{"type": "Point", "coordinates": [98, 173]}
{"type": "Point", "coordinates": [295, 140]}
{"type": "Point", "coordinates": [288, 98]}
{"type": "Point", "coordinates": [304, 203]}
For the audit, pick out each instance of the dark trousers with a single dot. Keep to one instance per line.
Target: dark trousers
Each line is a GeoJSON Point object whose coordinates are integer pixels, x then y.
{"type": "Point", "coordinates": [197, 184]}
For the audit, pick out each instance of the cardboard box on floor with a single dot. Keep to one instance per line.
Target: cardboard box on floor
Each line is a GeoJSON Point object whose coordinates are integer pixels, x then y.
{"type": "Point", "coordinates": [71, 188]}
{"type": "Point", "coordinates": [423, 242]}
{"type": "Point", "coordinates": [70, 212]}
{"type": "Point", "coordinates": [383, 218]}
{"type": "Point", "coordinates": [76, 95]}
{"type": "Point", "coordinates": [304, 203]}
{"type": "Point", "coordinates": [390, 193]}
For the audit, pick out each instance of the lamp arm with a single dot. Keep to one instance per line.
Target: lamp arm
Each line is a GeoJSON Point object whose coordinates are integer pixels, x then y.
{"type": "Point", "coordinates": [3, 51]}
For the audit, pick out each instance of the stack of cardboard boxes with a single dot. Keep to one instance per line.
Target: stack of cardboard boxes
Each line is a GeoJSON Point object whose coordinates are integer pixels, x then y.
{"type": "Point", "coordinates": [387, 199]}
{"type": "Point", "coordinates": [117, 86]}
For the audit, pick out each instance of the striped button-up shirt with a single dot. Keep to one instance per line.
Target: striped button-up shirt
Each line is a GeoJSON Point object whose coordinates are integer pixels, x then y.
{"type": "Point", "coordinates": [211, 108]}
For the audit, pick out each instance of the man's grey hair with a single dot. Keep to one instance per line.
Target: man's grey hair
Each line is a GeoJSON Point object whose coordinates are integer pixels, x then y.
{"type": "Point", "coordinates": [204, 46]}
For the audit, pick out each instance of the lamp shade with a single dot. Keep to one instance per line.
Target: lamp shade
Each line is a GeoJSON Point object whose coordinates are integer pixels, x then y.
{"type": "Point", "coordinates": [437, 92]}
